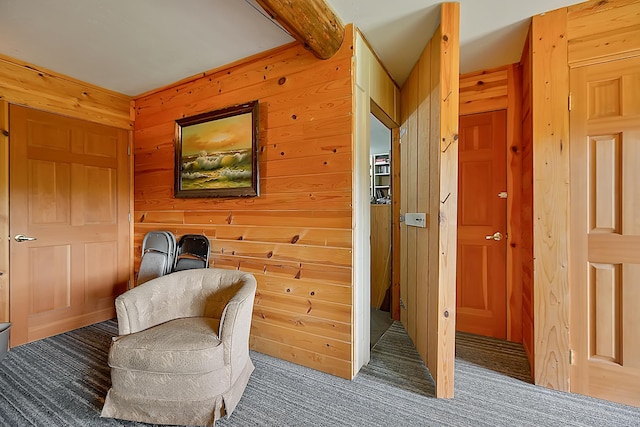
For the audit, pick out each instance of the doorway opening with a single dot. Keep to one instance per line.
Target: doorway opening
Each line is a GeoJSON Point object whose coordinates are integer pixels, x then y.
{"type": "Point", "coordinates": [380, 196]}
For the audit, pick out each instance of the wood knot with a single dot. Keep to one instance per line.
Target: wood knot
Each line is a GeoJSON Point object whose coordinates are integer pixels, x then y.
{"type": "Point", "coordinates": [445, 38]}
{"type": "Point", "coordinates": [270, 254]}
{"type": "Point", "coordinates": [282, 80]}
{"type": "Point", "coordinates": [295, 239]}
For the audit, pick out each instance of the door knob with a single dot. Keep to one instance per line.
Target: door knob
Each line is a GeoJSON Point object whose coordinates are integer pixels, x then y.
{"type": "Point", "coordinates": [495, 236]}
{"type": "Point", "coordinates": [23, 238]}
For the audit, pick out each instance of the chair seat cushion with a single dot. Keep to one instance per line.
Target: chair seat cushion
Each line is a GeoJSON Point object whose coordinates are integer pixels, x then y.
{"type": "Point", "coordinates": [187, 346]}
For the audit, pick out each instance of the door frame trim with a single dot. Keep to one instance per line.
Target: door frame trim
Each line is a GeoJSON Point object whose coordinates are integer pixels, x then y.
{"type": "Point", "coordinates": [4, 211]}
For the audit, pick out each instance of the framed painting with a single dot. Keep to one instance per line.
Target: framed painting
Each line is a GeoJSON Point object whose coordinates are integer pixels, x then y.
{"type": "Point", "coordinates": [217, 153]}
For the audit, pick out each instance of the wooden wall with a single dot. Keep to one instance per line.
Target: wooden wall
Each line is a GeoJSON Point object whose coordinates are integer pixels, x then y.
{"type": "Point", "coordinates": [32, 86]}
{"type": "Point", "coordinates": [374, 92]}
{"type": "Point", "coordinates": [550, 118]}
{"type": "Point", "coordinates": [27, 84]}
{"type": "Point", "coordinates": [296, 238]}
{"type": "Point", "coordinates": [599, 31]}
{"type": "Point", "coordinates": [501, 89]}
{"type": "Point", "coordinates": [586, 33]}
{"type": "Point", "coordinates": [526, 245]}
{"type": "Point", "coordinates": [429, 183]}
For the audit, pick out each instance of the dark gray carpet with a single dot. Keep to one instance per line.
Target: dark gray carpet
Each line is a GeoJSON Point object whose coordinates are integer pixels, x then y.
{"type": "Point", "coordinates": [61, 381]}
{"type": "Point", "coordinates": [496, 355]}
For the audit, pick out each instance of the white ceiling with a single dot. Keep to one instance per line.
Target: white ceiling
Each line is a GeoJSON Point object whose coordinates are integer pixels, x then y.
{"type": "Point", "coordinates": [133, 46]}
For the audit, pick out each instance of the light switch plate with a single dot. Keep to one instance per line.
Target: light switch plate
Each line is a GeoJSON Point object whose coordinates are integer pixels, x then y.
{"type": "Point", "coordinates": [416, 219]}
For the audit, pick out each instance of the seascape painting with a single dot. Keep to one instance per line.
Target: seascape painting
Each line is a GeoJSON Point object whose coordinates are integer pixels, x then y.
{"type": "Point", "coordinates": [217, 156]}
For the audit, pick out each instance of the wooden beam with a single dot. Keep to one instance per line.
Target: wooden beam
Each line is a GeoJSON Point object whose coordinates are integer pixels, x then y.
{"type": "Point", "coordinates": [311, 22]}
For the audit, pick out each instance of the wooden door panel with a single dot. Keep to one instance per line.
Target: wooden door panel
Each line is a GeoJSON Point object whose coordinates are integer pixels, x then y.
{"type": "Point", "coordinates": [428, 182]}
{"type": "Point", "coordinates": [473, 288]}
{"type": "Point", "coordinates": [95, 144]}
{"type": "Point", "coordinates": [45, 133]}
{"type": "Point", "coordinates": [604, 311]}
{"type": "Point", "coordinates": [100, 207]}
{"type": "Point", "coordinates": [100, 273]}
{"type": "Point", "coordinates": [474, 210]}
{"type": "Point", "coordinates": [49, 192]}
{"type": "Point", "coordinates": [605, 230]}
{"type": "Point", "coordinates": [54, 293]}
{"type": "Point", "coordinates": [481, 265]}
{"type": "Point", "coordinates": [73, 196]}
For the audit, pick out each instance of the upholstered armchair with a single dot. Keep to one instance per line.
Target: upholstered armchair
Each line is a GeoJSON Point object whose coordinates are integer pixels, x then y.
{"type": "Point", "coordinates": [182, 354]}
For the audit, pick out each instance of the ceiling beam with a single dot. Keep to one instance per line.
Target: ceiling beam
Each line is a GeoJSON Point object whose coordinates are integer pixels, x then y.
{"type": "Point", "coordinates": [311, 22]}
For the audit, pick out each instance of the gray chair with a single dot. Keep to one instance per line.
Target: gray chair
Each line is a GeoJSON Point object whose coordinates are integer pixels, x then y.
{"type": "Point", "coordinates": [158, 254]}
{"type": "Point", "coordinates": [182, 354]}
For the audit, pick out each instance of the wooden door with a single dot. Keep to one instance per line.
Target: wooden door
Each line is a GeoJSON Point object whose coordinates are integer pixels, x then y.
{"type": "Point", "coordinates": [428, 191]}
{"type": "Point", "coordinates": [605, 230]}
{"type": "Point", "coordinates": [481, 295]}
{"type": "Point", "coordinates": [69, 189]}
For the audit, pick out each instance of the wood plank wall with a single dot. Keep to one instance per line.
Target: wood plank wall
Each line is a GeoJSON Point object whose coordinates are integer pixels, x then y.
{"type": "Point", "coordinates": [429, 123]}
{"type": "Point", "coordinates": [297, 236]}
{"type": "Point", "coordinates": [27, 84]}
{"type": "Point", "coordinates": [445, 308]}
{"type": "Point", "coordinates": [599, 31]}
{"type": "Point", "coordinates": [586, 33]}
{"type": "Point", "coordinates": [550, 117]}
{"type": "Point", "coordinates": [526, 235]}
{"type": "Point", "coordinates": [501, 89]}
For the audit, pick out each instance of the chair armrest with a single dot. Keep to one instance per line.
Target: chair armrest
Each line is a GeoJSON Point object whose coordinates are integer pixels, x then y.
{"type": "Point", "coordinates": [235, 326]}
{"type": "Point", "coordinates": [142, 307]}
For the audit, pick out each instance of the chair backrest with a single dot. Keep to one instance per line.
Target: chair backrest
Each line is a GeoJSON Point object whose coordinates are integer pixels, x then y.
{"type": "Point", "coordinates": [163, 242]}
{"type": "Point", "coordinates": [192, 252]}
{"type": "Point", "coordinates": [158, 254]}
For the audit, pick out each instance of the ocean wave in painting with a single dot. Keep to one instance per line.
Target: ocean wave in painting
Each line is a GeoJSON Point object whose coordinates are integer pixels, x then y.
{"type": "Point", "coordinates": [230, 169]}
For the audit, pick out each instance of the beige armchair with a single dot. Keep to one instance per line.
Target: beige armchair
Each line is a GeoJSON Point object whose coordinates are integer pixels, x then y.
{"type": "Point", "coordinates": [182, 354]}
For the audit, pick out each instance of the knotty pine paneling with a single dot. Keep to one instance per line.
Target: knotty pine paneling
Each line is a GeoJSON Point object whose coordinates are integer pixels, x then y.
{"type": "Point", "coordinates": [296, 237]}
{"type": "Point", "coordinates": [602, 30]}
{"type": "Point", "coordinates": [42, 89]}
{"type": "Point", "coordinates": [483, 91]}
{"type": "Point", "coordinates": [429, 123]}
{"type": "Point", "coordinates": [549, 94]}
{"type": "Point", "coordinates": [526, 235]}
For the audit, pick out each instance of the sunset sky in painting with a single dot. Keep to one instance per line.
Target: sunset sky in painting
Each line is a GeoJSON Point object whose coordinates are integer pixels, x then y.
{"type": "Point", "coordinates": [230, 133]}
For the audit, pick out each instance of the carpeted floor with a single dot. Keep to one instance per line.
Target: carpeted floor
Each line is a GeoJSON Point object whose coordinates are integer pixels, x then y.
{"type": "Point", "coordinates": [61, 381]}
{"type": "Point", "coordinates": [380, 322]}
